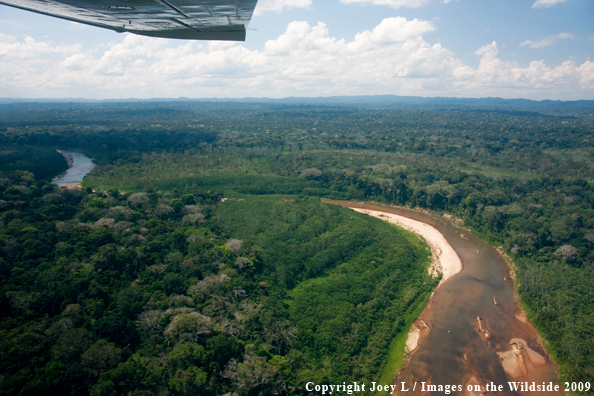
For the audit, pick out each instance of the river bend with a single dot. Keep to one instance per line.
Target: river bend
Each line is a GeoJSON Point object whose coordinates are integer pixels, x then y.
{"type": "Point", "coordinates": [80, 165]}
{"type": "Point", "coordinates": [472, 331]}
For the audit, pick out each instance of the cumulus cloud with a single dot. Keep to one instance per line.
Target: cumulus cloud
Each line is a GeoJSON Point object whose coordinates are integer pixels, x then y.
{"type": "Point", "coordinates": [392, 58]}
{"type": "Point", "coordinates": [546, 42]}
{"type": "Point", "coordinates": [11, 47]}
{"type": "Point", "coordinates": [547, 3]}
{"type": "Point", "coordinates": [278, 5]}
{"type": "Point", "coordinates": [537, 77]}
{"type": "Point", "coordinates": [393, 30]}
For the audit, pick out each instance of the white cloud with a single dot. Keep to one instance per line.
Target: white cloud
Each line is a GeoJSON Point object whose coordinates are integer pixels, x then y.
{"type": "Point", "coordinates": [546, 42]}
{"type": "Point", "coordinates": [392, 58]}
{"type": "Point", "coordinates": [547, 3]}
{"type": "Point", "coordinates": [493, 73]}
{"type": "Point", "coordinates": [278, 5]}
{"type": "Point", "coordinates": [392, 3]}
{"type": "Point", "coordinates": [392, 30]}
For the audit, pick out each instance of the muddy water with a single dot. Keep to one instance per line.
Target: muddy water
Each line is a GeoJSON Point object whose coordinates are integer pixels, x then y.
{"type": "Point", "coordinates": [453, 350]}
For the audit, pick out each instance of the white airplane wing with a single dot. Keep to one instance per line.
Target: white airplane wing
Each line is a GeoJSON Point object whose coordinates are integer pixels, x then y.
{"type": "Point", "coordinates": [179, 19]}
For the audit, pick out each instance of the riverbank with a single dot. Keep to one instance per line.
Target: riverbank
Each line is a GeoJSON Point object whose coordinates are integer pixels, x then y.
{"type": "Point", "coordinates": [472, 331]}
{"type": "Point", "coordinates": [69, 161]}
{"type": "Point", "coordinates": [79, 165]}
{"type": "Point", "coordinates": [445, 261]}
{"type": "Point", "coordinates": [519, 360]}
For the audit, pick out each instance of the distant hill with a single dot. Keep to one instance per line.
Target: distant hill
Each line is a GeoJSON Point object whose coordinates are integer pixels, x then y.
{"type": "Point", "coordinates": [373, 101]}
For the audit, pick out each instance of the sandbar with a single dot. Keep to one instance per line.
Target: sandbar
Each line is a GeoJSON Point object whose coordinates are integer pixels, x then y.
{"type": "Point", "coordinates": [445, 260]}
{"type": "Point", "coordinates": [412, 340]}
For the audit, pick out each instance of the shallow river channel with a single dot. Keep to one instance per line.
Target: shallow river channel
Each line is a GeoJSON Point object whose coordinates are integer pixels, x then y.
{"type": "Point", "coordinates": [473, 331]}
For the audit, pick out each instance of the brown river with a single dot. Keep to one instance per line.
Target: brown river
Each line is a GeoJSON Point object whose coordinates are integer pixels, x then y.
{"type": "Point", "coordinates": [472, 331]}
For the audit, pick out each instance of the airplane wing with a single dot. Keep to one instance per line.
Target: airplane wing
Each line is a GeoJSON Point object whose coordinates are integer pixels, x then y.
{"type": "Point", "coordinates": [178, 19]}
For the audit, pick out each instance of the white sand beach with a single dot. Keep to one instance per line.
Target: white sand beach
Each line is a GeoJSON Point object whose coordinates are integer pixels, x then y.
{"type": "Point", "coordinates": [445, 259]}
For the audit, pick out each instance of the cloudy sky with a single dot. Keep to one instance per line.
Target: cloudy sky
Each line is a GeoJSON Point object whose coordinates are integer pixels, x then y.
{"type": "Point", "coordinates": [537, 49]}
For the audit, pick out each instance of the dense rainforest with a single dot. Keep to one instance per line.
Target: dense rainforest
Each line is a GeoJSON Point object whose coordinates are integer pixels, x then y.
{"type": "Point", "coordinates": [105, 293]}
{"type": "Point", "coordinates": [519, 173]}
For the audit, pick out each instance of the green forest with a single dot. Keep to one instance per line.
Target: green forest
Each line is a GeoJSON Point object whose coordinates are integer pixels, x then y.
{"type": "Point", "coordinates": [145, 282]}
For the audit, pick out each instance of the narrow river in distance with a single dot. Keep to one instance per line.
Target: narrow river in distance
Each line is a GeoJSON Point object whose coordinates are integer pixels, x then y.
{"type": "Point", "coordinates": [473, 330]}
{"type": "Point", "coordinates": [81, 165]}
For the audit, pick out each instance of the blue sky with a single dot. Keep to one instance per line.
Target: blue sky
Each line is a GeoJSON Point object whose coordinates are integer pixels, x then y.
{"type": "Point", "coordinates": [538, 49]}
